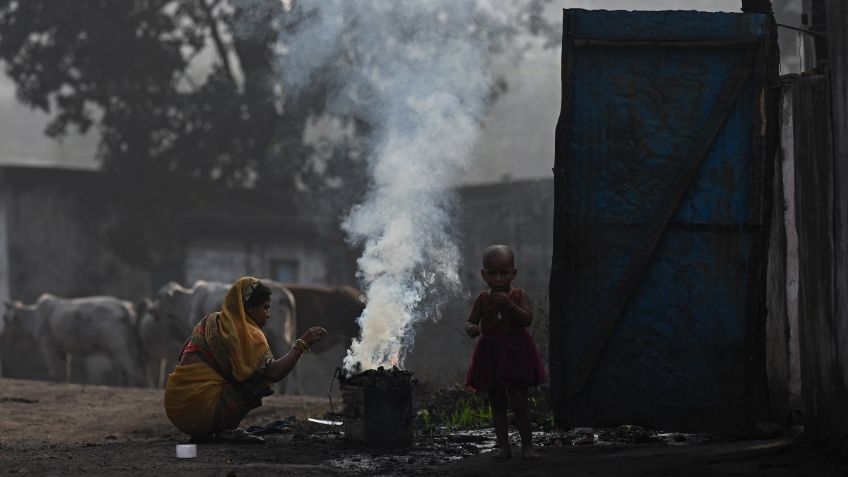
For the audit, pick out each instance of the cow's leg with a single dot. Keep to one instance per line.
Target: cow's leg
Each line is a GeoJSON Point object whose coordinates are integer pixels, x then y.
{"type": "Point", "coordinates": [126, 357]}
{"type": "Point", "coordinates": [152, 371]}
{"type": "Point", "coordinates": [53, 359]}
{"type": "Point", "coordinates": [132, 375]}
{"type": "Point", "coordinates": [163, 368]}
{"type": "Point", "coordinates": [68, 364]}
{"type": "Point", "coordinates": [149, 373]}
{"type": "Point", "coordinates": [155, 371]}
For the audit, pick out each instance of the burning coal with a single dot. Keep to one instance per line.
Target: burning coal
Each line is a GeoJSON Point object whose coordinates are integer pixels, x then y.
{"type": "Point", "coordinates": [421, 78]}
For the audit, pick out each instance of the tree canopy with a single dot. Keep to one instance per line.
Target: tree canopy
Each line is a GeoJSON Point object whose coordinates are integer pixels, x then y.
{"type": "Point", "coordinates": [175, 124]}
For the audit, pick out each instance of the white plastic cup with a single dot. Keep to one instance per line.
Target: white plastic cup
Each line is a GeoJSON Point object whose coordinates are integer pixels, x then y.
{"type": "Point", "coordinates": [186, 451]}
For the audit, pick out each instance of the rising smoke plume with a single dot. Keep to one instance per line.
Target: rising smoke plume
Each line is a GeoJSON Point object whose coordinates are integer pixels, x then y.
{"type": "Point", "coordinates": [417, 71]}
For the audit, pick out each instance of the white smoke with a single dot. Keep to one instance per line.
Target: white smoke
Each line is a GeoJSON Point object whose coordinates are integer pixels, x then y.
{"type": "Point", "coordinates": [418, 72]}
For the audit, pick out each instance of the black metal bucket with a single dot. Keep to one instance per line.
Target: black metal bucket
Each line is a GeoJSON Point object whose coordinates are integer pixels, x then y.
{"type": "Point", "coordinates": [378, 407]}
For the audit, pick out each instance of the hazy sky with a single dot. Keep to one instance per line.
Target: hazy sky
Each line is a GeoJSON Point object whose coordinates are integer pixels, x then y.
{"type": "Point", "coordinates": [518, 137]}
{"type": "Point", "coordinates": [518, 140]}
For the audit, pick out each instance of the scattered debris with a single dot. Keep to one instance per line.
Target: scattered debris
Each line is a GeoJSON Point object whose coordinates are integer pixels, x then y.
{"type": "Point", "coordinates": [277, 427]}
{"type": "Point", "coordinates": [584, 436]}
{"type": "Point", "coordinates": [18, 399]}
{"type": "Point", "coordinates": [628, 434]}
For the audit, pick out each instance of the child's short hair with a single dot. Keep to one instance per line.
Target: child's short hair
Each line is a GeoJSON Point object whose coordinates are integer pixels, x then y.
{"type": "Point", "coordinates": [493, 250]}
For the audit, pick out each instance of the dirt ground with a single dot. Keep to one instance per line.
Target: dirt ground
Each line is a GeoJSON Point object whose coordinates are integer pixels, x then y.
{"type": "Point", "coordinates": [70, 429]}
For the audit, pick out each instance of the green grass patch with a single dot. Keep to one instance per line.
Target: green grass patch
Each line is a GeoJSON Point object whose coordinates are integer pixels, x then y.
{"type": "Point", "coordinates": [470, 412]}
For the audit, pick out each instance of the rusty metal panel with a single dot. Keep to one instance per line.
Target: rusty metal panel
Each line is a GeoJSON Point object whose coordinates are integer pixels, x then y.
{"type": "Point", "coordinates": [638, 89]}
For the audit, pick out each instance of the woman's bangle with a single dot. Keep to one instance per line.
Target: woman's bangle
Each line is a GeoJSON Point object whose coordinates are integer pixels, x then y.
{"type": "Point", "coordinates": [301, 346]}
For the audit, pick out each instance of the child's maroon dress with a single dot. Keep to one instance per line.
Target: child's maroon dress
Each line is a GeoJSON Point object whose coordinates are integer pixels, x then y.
{"type": "Point", "coordinates": [505, 355]}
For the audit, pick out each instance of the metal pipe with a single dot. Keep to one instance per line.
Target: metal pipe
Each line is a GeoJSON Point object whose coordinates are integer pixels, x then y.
{"type": "Point", "coordinates": [803, 30]}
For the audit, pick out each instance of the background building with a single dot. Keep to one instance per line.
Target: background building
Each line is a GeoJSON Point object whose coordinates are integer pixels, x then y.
{"type": "Point", "coordinates": [52, 240]}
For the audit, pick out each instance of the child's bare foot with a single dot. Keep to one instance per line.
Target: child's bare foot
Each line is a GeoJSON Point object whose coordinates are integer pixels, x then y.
{"type": "Point", "coordinates": [503, 453]}
{"type": "Point", "coordinates": [529, 453]}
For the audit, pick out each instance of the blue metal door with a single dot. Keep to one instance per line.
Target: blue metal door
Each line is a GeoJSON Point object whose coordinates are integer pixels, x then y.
{"type": "Point", "coordinates": [659, 198]}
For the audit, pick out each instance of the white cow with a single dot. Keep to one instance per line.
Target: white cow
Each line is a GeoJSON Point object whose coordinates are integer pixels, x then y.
{"type": "Point", "coordinates": [161, 339]}
{"type": "Point", "coordinates": [84, 327]}
{"type": "Point", "coordinates": [167, 320]}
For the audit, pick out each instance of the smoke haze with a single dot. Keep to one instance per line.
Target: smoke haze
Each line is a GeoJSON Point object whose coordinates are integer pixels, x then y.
{"type": "Point", "coordinates": [422, 81]}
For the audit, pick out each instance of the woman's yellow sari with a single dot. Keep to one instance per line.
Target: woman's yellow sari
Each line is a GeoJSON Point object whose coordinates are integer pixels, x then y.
{"type": "Point", "coordinates": [204, 398]}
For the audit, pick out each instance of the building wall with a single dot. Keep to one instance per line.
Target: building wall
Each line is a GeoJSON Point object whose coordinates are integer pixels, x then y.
{"type": "Point", "coordinates": [226, 261]}
{"type": "Point", "coordinates": [519, 214]}
{"type": "Point", "coordinates": [54, 220]}
{"type": "Point", "coordinates": [50, 242]}
{"type": "Point", "coordinates": [823, 384]}
{"type": "Point", "coordinates": [836, 424]}
{"type": "Point", "coordinates": [819, 132]}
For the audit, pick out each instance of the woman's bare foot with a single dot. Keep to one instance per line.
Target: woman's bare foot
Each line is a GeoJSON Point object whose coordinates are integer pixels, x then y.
{"type": "Point", "coordinates": [529, 453]}
{"type": "Point", "coordinates": [503, 453]}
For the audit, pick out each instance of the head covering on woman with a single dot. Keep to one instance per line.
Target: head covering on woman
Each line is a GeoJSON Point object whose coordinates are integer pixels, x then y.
{"type": "Point", "coordinates": [237, 343]}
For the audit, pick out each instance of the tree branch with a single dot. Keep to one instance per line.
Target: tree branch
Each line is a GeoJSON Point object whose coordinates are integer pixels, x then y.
{"type": "Point", "coordinates": [216, 37]}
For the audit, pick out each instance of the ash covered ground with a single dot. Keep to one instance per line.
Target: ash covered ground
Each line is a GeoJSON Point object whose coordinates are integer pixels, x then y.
{"type": "Point", "coordinates": [71, 429]}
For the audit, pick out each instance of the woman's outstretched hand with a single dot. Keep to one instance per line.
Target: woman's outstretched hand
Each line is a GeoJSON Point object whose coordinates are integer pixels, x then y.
{"type": "Point", "coordinates": [314, 335]}
{"type": "Point", "coordinates": [282, 366]}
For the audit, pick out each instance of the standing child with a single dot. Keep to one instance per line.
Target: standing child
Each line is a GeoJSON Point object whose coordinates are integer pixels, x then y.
{"type": "Point", "coordinates": [505, 361]}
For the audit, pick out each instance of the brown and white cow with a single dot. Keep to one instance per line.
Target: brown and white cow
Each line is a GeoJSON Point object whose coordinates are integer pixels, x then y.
{"type": "Point", "coordinates": [336, 309]}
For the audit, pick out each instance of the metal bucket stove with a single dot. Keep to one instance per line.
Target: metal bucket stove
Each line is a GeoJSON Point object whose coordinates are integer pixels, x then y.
{"type": "Point", "coordinates": [378, 407]}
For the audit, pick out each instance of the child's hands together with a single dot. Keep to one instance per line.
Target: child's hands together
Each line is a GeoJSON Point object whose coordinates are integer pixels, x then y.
{"type": "Point", "coordinates": [472, 330]}
{"type": "Point", "coordinates": [502, 301]}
